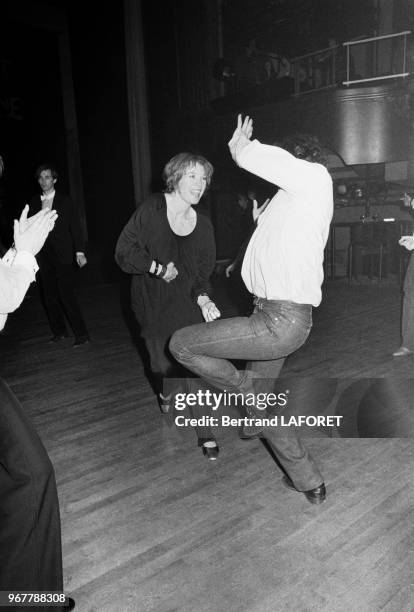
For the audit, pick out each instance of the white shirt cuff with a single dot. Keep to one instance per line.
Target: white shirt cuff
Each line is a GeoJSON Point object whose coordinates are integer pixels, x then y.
{"type": "Point", "coordinates": [26, 260]}
{"type": "Point", "coordinates": [8, 257]}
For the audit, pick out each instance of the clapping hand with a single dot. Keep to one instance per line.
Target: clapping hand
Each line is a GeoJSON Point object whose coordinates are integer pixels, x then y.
{"type": "Point", "coordinates": [30, 233]}
{"type": "Point", "coordinates": [25, 222]}
{"type": "Point", "coordinates": [241, 136]}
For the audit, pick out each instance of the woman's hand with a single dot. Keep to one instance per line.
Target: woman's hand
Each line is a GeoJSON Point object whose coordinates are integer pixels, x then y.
{"type": "Point", "coordinates": [210, 311]}
{"type": "Point", "coordinates": [171, 272]}
{"type": "Point", "coordinates": [208, 308]}
{"type": "Point", "coordinates": [24, 221]}
{"type": "Point", "coordinates": [241, 136]}
{"type": "Point", "coordinates": [30, 233]}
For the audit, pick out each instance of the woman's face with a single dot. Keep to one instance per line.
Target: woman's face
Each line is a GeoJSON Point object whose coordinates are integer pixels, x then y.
{"type": "Point", "coordinates": [192, 184]}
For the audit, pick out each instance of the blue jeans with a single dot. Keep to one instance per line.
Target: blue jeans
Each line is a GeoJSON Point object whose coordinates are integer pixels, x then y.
{"type": "Point", "coordinates": [276, 329]}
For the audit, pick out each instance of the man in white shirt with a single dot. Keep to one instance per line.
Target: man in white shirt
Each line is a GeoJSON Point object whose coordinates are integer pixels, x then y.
{"type": "Point", "coordinates": [30, 537]}
{"type": "Point", "coordinates": [283, 269]}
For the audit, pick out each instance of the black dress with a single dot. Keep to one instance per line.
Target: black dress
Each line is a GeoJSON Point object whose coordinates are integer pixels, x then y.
{"type": "Point", "coordinates": [161, 308]}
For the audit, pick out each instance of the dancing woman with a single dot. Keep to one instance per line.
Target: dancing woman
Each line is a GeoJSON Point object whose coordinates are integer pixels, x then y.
{"type": "Point", "coordinates": [169, 249]}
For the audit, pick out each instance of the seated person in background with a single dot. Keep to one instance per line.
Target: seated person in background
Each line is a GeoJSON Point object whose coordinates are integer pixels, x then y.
{"type": "Point", "coordinates": [249, 67]}
{"type": "Point", "coordinates": [325, 63]}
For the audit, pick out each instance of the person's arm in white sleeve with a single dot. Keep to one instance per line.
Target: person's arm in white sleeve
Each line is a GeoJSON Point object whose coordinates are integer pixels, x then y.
{"type": "Point", "coordinates": [271, 163]}
{"type": "Point", "coordinates": [18, 267]}
{"type": "Point", "coordinates": [15, 278]}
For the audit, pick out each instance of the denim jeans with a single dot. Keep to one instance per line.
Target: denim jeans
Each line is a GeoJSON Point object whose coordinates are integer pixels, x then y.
{"type": "Point", "coordinates": [168, 378]}
{"type": "Point", "coordinates": [275, 329]}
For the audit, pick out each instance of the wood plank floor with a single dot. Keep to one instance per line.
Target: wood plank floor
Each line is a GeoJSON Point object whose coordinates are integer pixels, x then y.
{"type": "Point", "coordinates": [149, 525]}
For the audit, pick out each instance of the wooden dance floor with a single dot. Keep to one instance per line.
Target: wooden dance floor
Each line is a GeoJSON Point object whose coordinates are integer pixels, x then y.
{"type": "Point", "coordinates": [148, 524]}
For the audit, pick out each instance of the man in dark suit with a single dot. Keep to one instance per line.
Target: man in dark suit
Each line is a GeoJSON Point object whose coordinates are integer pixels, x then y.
{"type": "Point", "coordinates": [56, 261]}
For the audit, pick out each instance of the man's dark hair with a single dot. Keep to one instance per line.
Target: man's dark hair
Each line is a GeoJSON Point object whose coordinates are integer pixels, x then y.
{"type": "Point", "coordinates": [303, 146]}
{"type": "Point", "coordinates": [46, 166]}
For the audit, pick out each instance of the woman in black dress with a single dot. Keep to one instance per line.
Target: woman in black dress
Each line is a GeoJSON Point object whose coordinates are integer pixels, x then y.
{"type": "Point", "coordinates": [169, 249]}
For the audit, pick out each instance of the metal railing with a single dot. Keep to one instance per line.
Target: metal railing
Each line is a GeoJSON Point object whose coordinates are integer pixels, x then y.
{"type": "Point", "coordinates": [388, 55]}
{"type": "Point", "coordinates": [357, 61]}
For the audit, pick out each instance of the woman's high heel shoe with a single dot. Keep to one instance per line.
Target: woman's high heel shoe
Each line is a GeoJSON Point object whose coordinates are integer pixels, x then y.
{"type": "Point", "coordinates": [210, 448]}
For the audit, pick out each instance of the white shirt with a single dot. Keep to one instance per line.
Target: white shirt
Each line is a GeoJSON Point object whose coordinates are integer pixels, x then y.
{"type": "Point", "coordinates": [284, 258]}
{"type": "Point", "coordinates": [17, 271]}
{"type": "Point", "coordinates": [47, 199]}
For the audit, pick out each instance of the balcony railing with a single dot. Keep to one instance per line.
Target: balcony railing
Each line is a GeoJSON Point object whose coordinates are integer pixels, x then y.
{"type": "Point", "coordinates": [358, 61]}
{"type": "Point", "coordinates": [385, 57]}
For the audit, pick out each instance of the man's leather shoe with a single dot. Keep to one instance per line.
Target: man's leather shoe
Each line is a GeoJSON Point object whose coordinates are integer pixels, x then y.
{"type": "Point", "coordinates": [402, 352]}
{"type": "Point", "coordinates": [314, 496]}
{"type": "Point", "coordinates": [80, 340]}
{"type": "Point", "coordinates": [248, 431]}
{"type": "Point", "coordinates": [71, 605]}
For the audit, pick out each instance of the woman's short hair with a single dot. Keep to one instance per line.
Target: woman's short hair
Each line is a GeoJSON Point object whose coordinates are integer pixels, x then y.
{"type": "Point", "coordinates": [45, 166]}
{"type": "Point", "coordinates": [175, 169]}
{"type": "Point", "coordinates": [304, 146]}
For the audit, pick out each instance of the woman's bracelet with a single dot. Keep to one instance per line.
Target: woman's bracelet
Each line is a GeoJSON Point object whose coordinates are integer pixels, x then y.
{"type": "Point", "coordinates": [157, 269]}
{"type": "Point", "coordinates": [162, 272]}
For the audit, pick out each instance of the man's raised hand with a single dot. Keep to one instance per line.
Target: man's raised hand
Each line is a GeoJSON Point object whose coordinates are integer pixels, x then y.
{"type": "Point", "coordinates": [241, 136]}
